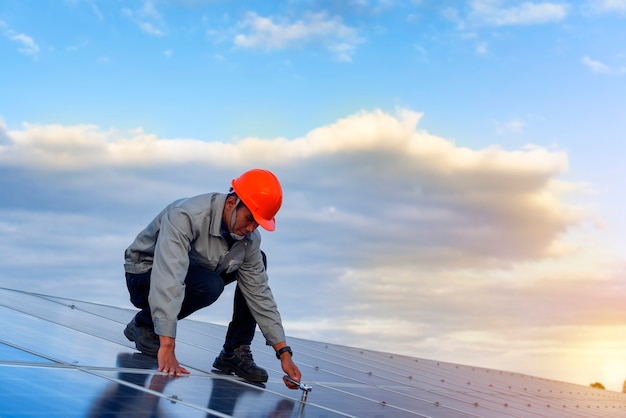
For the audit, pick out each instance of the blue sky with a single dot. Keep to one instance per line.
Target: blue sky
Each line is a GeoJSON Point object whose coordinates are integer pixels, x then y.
{"type": "Point", "coordinates": [452, 170]}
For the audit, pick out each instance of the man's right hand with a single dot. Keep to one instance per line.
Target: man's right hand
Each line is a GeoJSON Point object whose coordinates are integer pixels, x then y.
{"type": "Point", "coordinates": [167, 358]}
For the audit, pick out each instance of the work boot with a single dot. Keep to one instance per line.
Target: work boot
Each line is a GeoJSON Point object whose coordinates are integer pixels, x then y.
{"type": "Point", "coordinates": [144, 337]}
{"type": "Point", "coordinates": [241, 363]}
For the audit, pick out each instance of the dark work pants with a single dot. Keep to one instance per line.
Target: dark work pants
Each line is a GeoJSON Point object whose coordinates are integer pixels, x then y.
{"type": "Point", "coordinates": [202, 288]}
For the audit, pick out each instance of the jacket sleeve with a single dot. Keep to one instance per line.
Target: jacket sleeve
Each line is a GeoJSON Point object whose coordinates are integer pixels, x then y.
{"type": "Point", "coordinates": [171, 261]}
{"type": "Point", "coordinates": [253, 284]}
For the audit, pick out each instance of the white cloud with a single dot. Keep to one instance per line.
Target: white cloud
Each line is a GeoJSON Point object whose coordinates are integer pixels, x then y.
{"type": "Point", "coordinates": [607, 6]}
{"type": "Point", "coordinates": [482, 48]}
{"type": "Point", "coordinates": [500, 13]}
{"type": "Point", "coordinates": [150, 28]}
{"type": "Point", "coordinates": [191, 3]}
{"type": "Point", "coordinates": [28, 46]}
{"type": "Point", "coordinates": [96, 11]}
{"type": "Point", "coordinates": [147, 18]}
{"type": "Point", "coordinates": [514, 125]}
{"type": "Point", "coordinates": [421, 53]}
{"type": "Point", "coordinates": [602, 68]}
{"type": "Point", "coordinates": [77, 46]}
{"type": "Point", "coordinates": [315, 28]}
{"type": "Point", "coordinates": [148, 10]}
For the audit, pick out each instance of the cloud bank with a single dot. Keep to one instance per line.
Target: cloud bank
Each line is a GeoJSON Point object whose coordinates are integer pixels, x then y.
{"type": "Point", "coordinates": [372, 171]}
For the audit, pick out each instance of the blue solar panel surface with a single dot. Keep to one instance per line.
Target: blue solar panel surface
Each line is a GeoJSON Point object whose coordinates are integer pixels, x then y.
{"type": "Point", "coordinates": [67, 358]}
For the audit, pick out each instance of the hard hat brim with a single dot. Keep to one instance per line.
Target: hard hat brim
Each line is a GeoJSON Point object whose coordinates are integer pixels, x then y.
{"type": "Point", "coordinates": [268, 225]}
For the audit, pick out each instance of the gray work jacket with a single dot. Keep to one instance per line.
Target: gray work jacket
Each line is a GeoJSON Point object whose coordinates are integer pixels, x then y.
{"type": "Point", "coordinates": [188, 231]}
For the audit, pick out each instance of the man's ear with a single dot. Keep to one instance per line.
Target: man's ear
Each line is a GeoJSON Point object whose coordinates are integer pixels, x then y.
{"type": "Point", "coordinates": [231, 201]}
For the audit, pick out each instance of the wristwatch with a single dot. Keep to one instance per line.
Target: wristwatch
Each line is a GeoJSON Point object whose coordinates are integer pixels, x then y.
{"type": "Point", "coordinates": [285, 349]}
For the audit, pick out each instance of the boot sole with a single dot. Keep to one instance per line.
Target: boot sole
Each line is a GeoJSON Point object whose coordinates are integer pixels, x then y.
{"type": "Point", "coordinates": [230, 369]}
{"type": "Point", "coordinates": [130, 335]}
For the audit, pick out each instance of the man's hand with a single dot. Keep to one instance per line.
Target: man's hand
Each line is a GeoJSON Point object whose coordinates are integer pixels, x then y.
{"type": "Point", "coordinates": [167, 357]}
{"type": "Point", "coordinates": [290, 368]}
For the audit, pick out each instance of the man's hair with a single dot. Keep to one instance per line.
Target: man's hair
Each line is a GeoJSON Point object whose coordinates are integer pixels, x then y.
{"type": "Point", "coordinates": [230, 194]}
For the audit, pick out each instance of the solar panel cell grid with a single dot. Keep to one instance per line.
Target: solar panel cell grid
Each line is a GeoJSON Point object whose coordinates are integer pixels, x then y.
{"type": "Point", "coordinates": [66, 358]}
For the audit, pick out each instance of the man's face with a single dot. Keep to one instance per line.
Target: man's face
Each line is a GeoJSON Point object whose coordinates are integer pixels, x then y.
{"type": "Point", "coordinates": [244, 221]}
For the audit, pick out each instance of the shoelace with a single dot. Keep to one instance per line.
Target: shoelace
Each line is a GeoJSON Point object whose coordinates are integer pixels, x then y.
{"type": "Point", "coordinates": [244, 352]}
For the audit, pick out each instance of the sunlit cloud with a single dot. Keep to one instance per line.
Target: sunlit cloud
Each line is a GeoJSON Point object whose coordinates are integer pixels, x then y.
{"type": "Point", "coordinates": [472, 205]}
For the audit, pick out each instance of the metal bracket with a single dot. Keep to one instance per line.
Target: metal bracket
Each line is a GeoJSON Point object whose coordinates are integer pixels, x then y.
{"type": "Point", "coordinates": [304, 388]}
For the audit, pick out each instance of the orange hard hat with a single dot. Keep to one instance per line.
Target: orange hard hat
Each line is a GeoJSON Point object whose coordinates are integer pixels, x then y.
{"type": "Point", "coordinates": [260, 191]}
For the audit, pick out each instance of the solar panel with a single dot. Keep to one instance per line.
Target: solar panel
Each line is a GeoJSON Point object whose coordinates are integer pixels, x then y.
{"type": "Point", "coordinates": [69, 358]}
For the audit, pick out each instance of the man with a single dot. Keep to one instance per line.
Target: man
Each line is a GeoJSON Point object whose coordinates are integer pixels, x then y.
{"type": "Point", "coordinates": [183, 259]}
